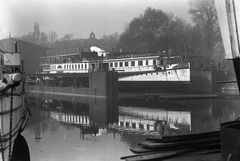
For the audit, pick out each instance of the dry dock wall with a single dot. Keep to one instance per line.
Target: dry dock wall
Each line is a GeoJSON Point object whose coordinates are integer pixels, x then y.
{"type": "Point", "coordinates": [101, 84]}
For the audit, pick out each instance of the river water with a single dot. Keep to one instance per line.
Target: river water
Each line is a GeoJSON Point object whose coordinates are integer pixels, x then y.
{"type": "Point", "coordinates": [93, 129]}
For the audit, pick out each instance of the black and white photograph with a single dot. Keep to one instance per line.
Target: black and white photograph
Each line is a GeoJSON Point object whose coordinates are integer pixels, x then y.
{"type": "Point", "coordinates": [119, 80]}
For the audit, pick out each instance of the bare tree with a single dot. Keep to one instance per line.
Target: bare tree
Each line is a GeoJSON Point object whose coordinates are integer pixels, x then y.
{"type": "Point", "coordinates": [204, 15]}
{"type": "Point", "coordinates": [37, 37]}
{"type": "Point", "coordinates": [67, 36]}
{"type": "Point", "coordinates": [110, 41]}
{"type": "Point", "coordinates": [43, 39]}
{"type": "Point", "coordinates": [52, 36]}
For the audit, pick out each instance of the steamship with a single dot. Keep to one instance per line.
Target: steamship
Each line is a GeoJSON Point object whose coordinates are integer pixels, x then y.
{"type": "Point", "coordinates": [136, 71]}
{"type": "Point", "coordinates": [14, 113]}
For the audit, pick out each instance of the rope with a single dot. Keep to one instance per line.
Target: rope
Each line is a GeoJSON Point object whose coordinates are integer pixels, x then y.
{"type": "Point", "coordinates": [10, 128]}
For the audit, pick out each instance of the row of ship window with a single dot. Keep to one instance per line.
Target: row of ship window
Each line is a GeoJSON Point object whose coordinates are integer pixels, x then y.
{"type": "Point", "coordinates": [76, 66]}
{"type": "Point", "coordinates": [115, 64]}
{"type": "Point", "coordinates": [132, 63]}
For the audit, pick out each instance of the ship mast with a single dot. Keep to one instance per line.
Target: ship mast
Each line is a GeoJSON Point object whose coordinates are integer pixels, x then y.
{"type": "Point", "coordinates": [229, 19]}
{"type": "Point", "coordinates": [236, 61]}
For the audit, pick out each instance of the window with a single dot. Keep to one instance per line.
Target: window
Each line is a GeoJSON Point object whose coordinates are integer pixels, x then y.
{"type": "Point", "coordinates": [116, 64]}
{"type": "Point", "coordinates": [67, 66]}
{"type": "Point", "coordinates": [140, 63]}
{"type": "Point", "coordinates": [75, 66]}
{"type": "Point", "coordinates": [111, 64]}
{"type": "Point", "coordinates": [161, 61]}
{"type": "Point", "coordinates": [154, 62]}
{"type": "Point", "coordinates": [81, 66]}
{"type": "Point", "coordinates": [120, 64]}
{"type": "Point", "coordinates": [78, 66]}
{"type": "Point", "coordinates": [132, 63]}
{"type": "Point", "coordinates": [126, 64]}
{"type": "Point", "coordinates": [146, 62]}
{"type": "Point", "coordinates": [85, 66]}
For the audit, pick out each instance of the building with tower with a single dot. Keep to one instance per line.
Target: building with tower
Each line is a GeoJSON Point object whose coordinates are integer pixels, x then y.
{"type": "Point", "coordinates": [73, 46]}
{"type": "Point", "coordinates": [92, 41]}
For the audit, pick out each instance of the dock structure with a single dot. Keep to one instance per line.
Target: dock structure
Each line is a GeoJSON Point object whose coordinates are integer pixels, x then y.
{"type": "Point", "coordinates": [61, 80]}
{"type": "Point", "coordinates": [94, 84]}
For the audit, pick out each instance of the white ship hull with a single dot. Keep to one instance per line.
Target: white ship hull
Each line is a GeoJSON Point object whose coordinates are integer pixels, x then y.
{"type": "Point", "coordinates": [18, 122]}
{"type": "Point", "coordinates": [170, 75]}
{"type": "Point", "coordinates": [13, 110]}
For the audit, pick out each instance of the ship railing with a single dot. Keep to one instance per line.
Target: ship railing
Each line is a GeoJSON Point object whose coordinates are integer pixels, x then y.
{"type": "Point", "coordinates": [57, 60]}
{"type": "Point", "coordinates": [134, 69]}
{"type": "Point", "coordinates": [130, 56]}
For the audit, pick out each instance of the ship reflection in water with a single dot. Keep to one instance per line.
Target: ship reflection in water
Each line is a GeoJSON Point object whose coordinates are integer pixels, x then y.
{"type": "Point", "coordinates": [94, 129]}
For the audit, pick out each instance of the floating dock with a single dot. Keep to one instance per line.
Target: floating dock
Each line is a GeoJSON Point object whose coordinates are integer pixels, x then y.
{"type": "Point", "coordinates": [102, 84]}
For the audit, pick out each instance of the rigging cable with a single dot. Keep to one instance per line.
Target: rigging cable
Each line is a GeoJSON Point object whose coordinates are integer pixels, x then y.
{"type": "Point", "coordinates": [10, 127]}
{"type": "Point", "coordinates": [2, 151]}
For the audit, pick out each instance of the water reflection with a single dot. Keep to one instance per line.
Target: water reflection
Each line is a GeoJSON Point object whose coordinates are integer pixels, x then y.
{"type": "Point", "coordinates": [90, 117]}
{"type": "Point", "coordinates": [189, 115]}
{"type": "Point", "coordinates": [111, 126]}
{"type": "Point", "coordinates": [97, 115]}
{"type": "Point", "coordinates": [154, 121]}
{"type": "Point", "coordinates": [140, 116]}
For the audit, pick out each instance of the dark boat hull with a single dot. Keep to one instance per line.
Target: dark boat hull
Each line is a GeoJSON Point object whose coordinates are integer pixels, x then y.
{"type": "Point", "coordinates": [154, 86]}
{"type": "Point", "coordinates": [230, 138]}
{"type": "Point", "coordinates": [186, 137]}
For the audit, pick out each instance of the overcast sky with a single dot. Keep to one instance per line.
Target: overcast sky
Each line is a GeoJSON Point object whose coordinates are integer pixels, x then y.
{"type": "Point", "coordinates": [79, 17]}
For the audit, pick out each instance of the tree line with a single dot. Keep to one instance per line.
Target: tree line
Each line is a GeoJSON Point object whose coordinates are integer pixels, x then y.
{"type": "Point", "coordinates": [157, 31]}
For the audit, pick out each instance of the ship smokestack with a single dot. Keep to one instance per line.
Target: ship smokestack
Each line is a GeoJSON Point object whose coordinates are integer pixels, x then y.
{"type": "Point", "coordinates": [16, 47]}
